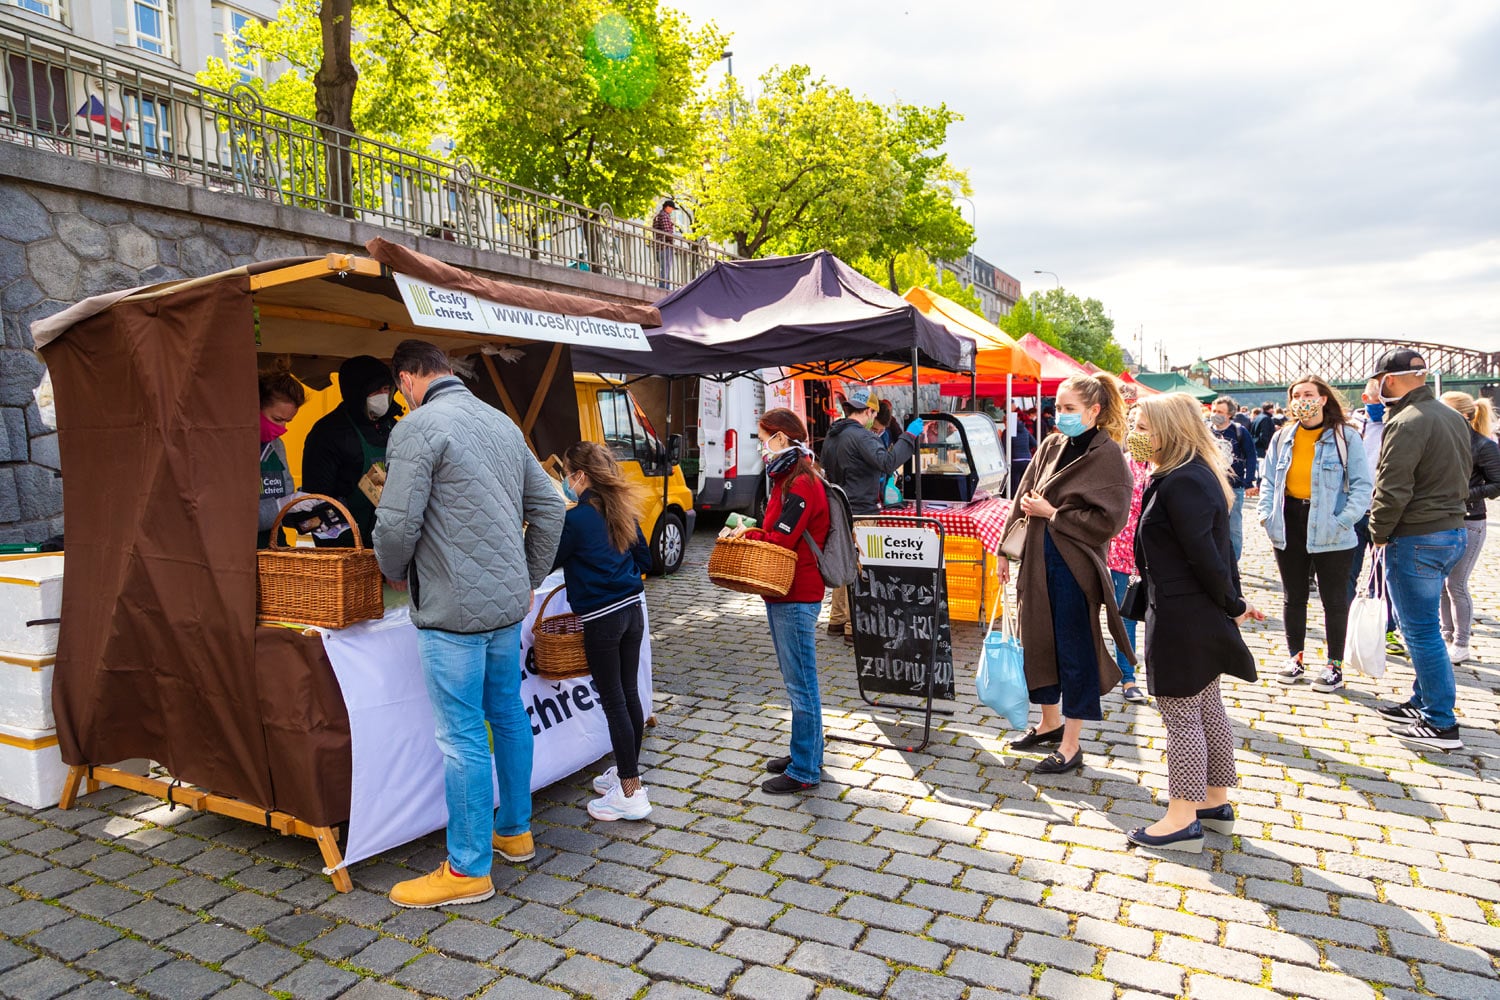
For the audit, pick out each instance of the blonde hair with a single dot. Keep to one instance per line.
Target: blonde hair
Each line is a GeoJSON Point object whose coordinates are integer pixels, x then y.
{"type": "Point", "coordinates": [1478, 412]}
{"type": "Point", "coordinates": [1180, 435]}
{"type": "Point", "coordinates": [1101, 390]}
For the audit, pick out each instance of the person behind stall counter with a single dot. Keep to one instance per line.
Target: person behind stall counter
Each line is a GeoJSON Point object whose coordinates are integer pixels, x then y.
{"type": "Point", "coordinates": [345, 452]}
{"type": "Point", "coordinates": [281, 396]}
{"type": "Point", "coordinates": [602, 555]}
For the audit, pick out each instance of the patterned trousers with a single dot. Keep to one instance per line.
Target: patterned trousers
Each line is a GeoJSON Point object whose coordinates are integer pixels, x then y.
{"type": "Point", "coordinates": [1200, 744]}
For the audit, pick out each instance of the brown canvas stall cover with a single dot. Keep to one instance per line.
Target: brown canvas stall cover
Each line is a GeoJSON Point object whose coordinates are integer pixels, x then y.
{"type": "Point", "coordinates": [159, 657]}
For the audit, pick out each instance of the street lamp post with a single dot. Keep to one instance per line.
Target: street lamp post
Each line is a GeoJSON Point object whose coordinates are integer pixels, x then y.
{"type": "Point", "coordinates": [728, 57]}
{"type": "Point", "coordinates": [1052, 274]}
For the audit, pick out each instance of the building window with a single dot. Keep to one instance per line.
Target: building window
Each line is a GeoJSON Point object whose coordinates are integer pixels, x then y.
{"type": "Point", "coordinates": [38, 94]}
{"type": "Point", "coordinates": [229, 26]}
{"type": "Point", "coordinates": [46, 8]}
{"type": "Point", "coordinates": [144, 24]}
{"type": "Point", "coordinates": [398, 198]}
{"type": "Point", "coordinates": [152, 117]}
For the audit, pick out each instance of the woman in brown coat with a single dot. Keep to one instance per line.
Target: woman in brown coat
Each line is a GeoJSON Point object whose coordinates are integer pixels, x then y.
{"type": "Point", "coordinates": [1075, 497]}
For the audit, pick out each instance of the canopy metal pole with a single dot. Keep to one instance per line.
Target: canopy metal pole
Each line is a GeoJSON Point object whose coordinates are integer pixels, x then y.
{"type": "Point", "coordinates": [974, 388]}
{"type": "Point", "coordinates": [916, 407]}
{"type": "Point", "coordinates": [666, 480]}
{"type": "Point", "coordinates": [1009, 414]}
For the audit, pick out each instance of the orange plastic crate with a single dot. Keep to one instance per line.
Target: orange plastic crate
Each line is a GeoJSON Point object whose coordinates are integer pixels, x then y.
{"type": "Point", "coordinates": [971, 590]}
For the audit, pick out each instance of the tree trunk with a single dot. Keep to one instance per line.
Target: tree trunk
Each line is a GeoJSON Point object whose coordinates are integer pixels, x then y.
{"type": "Point", "coordinates": [890, 270]}
{"type": "Point", "coordinates": [335, 82]}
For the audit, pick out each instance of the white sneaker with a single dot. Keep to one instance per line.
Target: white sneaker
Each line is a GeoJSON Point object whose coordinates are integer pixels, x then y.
{"type": "Point", "coordinates": [609, 779]}
{"type": "Point", "coordinates": [615, 804]}
{"type": "Point", "coordinates": [1294, 672]}
{"type": "Point", "coordinates": [1457, 653]}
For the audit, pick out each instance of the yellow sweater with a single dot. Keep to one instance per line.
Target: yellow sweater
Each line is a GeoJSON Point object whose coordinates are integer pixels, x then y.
{"type": "Point", "coordinates": [1299, 474]}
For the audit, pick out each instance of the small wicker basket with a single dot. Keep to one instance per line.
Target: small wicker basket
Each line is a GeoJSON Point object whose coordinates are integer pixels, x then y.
{"type": "Point", "coordinates": [557, 643]}
{"type": "Point", "coordinates": [325, 588]}
{"type": "Point", "coordinates": [751, 567]}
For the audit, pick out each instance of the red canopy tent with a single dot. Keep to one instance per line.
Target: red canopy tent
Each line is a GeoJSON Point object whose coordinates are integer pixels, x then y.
{"type": "Point", "coordinates": [1141, 388]}
{"type": "Point", "coordinates": [1057, 367]}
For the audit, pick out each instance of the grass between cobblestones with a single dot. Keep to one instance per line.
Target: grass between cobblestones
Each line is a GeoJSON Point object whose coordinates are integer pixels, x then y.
{"type": "Point", "coordinates": [1359, 869]}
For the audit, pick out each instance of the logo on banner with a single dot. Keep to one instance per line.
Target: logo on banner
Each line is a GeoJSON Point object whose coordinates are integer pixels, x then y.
{"type": "Point", "coordinates": [898, 546]}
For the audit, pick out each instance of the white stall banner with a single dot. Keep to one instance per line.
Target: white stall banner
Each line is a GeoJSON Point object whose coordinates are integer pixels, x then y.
{"type": "Point", "coordinates": [449, 309]}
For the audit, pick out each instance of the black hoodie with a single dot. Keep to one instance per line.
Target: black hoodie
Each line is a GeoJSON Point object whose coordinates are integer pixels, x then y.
{"type": "Point", "coordinates": [333, 462]}
{"type": "Point", "coordinates": [856, 460]}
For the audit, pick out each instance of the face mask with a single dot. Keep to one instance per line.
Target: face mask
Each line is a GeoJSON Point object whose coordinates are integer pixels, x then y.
{"type": "Point", "coordinates": [409, 391]}
{"type": "Point", "coordinates": [767, 452]}
{"type": "Point", "coordinates": [567, 485]}
{"type": "Point", "coordinates": [270, 430]}
{"type": "Point", "coordinates": [1387, 400]}
{"type": "Point", "coordinates": [378, 405]}
{"type": "Point", "coordinates": [1219, 419]}
{"type": "Point", "coordinates": [1299, 409]}
{"type": "Point", "coordinates": [1139, 445]}
{"type": "Point", "coordinates": [1375, 411]}
{"type": "Point", "coordinates": [1070, 424]}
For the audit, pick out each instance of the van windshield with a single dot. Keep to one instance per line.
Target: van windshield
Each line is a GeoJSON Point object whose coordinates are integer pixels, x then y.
{"type": "Point", "coordinates": [627, 432]}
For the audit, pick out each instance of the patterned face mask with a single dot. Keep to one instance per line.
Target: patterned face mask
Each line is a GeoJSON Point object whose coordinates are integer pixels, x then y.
{"type": "Point", "coordinates": [1303, 409]}
{"type": "Point", "coordinates": [1139, 445]}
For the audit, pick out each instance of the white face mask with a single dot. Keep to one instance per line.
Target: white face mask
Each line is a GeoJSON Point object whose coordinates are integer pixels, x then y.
{"type": "Point", "coordinates": [378, 405]}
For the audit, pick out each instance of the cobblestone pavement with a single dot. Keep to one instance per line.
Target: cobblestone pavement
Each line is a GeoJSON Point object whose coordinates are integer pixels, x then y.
{"type": "Point", "coordinates": [1360, 869]}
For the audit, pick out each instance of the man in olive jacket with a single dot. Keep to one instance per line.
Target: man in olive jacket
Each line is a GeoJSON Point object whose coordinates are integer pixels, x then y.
{"type": "Point", "coordinates": [469, 524]}
{"type": "Point", "coordinates": [855, 459]}
{"type": "Point", "coordinates": [1417, 518]}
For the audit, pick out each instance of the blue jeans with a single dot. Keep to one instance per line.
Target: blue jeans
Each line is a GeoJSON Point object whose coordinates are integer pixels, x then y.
{"type": "Point", "coordinates": [793, 627]}
{"type": "Point", "coordinates": [1121, 581]}
{"type": "Point", "coordinates": [1415, 567]}
{"type": "Point", "coordinates": [1073, 617]}
{"type": "Point", "coordinates": [1237, 523]}
{"type": "Point", "coordinates": [471, 679]}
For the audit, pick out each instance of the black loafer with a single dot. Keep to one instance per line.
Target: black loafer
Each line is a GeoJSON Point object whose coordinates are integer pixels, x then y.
{"type": "Point", "coordinates": [1189, 839]}
{"type": "Point", "coordinates": [1033, 739]}
{"type": "Point", "coordinates": [1056, 763]}
{"type": "Point", "coordinates": [778, 765]}
{"type": "Point", "coordinates": [783, 785]}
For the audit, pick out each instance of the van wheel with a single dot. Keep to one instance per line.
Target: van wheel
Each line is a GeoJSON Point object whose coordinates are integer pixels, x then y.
{"type": "Point", "coordinates": [668, 544]}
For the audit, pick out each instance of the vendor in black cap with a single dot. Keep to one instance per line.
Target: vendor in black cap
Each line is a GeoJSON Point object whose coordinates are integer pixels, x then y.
{"type": "Point", "coordinates": [345, 452]}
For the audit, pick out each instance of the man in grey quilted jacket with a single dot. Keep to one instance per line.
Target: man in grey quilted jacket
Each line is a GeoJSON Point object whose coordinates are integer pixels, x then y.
{"type": "Point", "coordinates": [468, 524]}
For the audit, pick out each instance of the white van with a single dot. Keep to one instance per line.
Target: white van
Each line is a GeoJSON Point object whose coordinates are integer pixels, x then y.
{"type": "Point", "coordinates": [730, 470]}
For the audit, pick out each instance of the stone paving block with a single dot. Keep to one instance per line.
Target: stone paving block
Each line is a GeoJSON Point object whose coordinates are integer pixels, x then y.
{"type": "Point", "coordinates": [182, 981]}
{"type": "Point", "coordinates": [152, 920]}
{"type": "Point", "coordinates": [1426, 949]}
{"type": "Point", "coordinates": [513, 988]}
{"type": "Point", "coordinates": [342, 942]}
{"type": "Point", "coordinates": [913, 984]}
{"type": "Point", "coordinates": [530, 958]}
{"type": "Point", "coordinates": [684, 924]}
{"type": "Point", "coordinates": [1023, 915]}
{"type": "Point", "coordinates": [684, 893]}
{"type": "Point", "coordinates": [384, 956]}
{"type": "Point", "coordinates": [597, 979]}
{"type": "Point", "coordinates": [440, 976]}
{"type": "Point", "coordinates": [1369, 965]}
{"type": "Point", "coordinates": [210, 944]}
{"type": "Point", "coordinates": [1158, 977]}
{"type": "Point", "coordinates": [248, 910]}
{"type": "Point", "coordinates": [878, 913]}
{"type": "Point", "coordinates": [72, 939]}
{"type": "Point", "coordinates": [761, 983]}
{"type": "Point", "coordinates": [757, 947]}
{"type": "Point", "coordinates": [1205, 987]}
{"type": "Point", "coordinates": [611, 906]}
{"type": "Point", "coordinates": [41, 979]}
{"type": "Point", "coordinates": [542, 921]}
{"type": "Point", "coordinates": [1316, 927]}
{"type": "Point", "coordinates": [1054, 952]}
{"type": "Point", "coordinates": [808, 897]}
{"type": "Point", "coordinates": [13, 955]}
{"type": "Point", "coordinates": [1211, 958]}
{"type": "Point", "coordinates": [685, 964]}
{"type": "Point", "coordinates": [54, 882]}
{"type": "Point", "coordinates": [606, 941]}
{"type": "Point", "coordinates": [414, 925]}
{"type": "Point", "coordinates": [98, 901]}
{"type": "Point", "coordinates": [1320, 985]}
{"type": "Point", "coordinates": [1459, 985]}
{"type": "Point", "coordinates": [467, 939]}
{"type": "Point", "coordinates": [263, 964]}
{"type": "Point", "coordinates": [546, 889]}
{"type": "Point", "coordinates": [862, 973]}
{"type": "Point", "coordinates": [359, 906]}
{"type": "Point", "coordinates": [904, 949]}
{"type": "Point", "coordinates": [1058, 985]}
{"type": "Point", "coordinates": [986, 970]}
{"type": "Point", "coordinates": [815, 927]}
{"type": "Point", "coordinates": [97, 989]}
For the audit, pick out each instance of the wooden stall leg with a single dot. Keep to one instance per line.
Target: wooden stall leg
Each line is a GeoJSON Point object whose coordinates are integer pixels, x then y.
{"type": "Point", "coordinates": [76, 775]}
{"type": "Point", "coordinates": [333, 859]}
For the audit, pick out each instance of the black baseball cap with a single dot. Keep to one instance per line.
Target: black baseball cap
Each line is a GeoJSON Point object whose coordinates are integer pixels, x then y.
{"type": "Point", "coordinates": [1401, 361]}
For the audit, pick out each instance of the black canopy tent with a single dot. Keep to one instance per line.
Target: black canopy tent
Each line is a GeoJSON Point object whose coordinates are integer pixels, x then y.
{"type": "Point", "coordinates": [809, 314]}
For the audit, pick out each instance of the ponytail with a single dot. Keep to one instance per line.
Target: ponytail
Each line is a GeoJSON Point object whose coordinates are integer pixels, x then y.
{"type": "Point", "coordinates": [1102, 390]}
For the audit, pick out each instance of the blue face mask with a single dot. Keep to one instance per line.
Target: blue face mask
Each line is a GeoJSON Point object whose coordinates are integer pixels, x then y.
{"type": "Point", "coordinates": [1375, 411]}
{"type": "Point", "coordinates": [1070, 424]}
{"type": "Point", "coordinates": [568, 489]}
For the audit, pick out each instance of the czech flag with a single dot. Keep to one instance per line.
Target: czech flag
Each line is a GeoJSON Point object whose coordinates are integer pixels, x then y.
{"type": "Point", "coordinates": [93, 109]}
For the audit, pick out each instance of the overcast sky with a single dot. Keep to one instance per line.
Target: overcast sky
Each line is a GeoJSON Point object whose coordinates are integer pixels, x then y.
{"type": "Point", "coordinates": [1220, 175]}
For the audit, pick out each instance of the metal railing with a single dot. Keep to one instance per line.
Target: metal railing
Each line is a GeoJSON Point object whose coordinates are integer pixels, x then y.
{"type": "Point", "coordinates": [86, 101]}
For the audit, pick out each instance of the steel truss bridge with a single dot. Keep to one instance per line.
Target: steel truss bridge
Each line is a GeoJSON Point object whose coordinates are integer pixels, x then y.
{"type": "Point", "coordinates": [1345, 362]}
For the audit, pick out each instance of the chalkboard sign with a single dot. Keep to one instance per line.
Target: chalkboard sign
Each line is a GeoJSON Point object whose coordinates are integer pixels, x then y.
{"type": "Point", "coordinates": [900, 610]}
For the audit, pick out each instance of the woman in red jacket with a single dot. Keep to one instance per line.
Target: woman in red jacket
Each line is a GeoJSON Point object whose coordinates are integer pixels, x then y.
{"type": "Point", "coordinates": [797, 506]}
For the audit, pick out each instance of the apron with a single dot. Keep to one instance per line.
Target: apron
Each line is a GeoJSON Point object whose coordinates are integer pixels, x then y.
{"type": "Point", "coordinates": [275, 484]}
{"type": "Point", "coordinates": [367, 493]}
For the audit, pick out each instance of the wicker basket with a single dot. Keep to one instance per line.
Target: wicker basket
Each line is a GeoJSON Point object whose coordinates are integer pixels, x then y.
{"type": "Point", "coordinates": [326, 588]}
{"type": "Point", "coordinates": [752, 567]}
{"type": "Point", "coordinates": [557, 643]}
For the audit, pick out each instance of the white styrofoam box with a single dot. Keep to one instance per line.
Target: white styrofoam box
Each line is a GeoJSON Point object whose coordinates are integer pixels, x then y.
{"type": "Point", "coordinates": [32, 771]}
{"type": "Point", "coordinates": [30, 591]}
{"type": "Point", "coordinates": [26, 691]}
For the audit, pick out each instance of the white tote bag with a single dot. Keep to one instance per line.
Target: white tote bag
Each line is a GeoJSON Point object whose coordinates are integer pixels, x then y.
{"type": "Point", "coordinates": [1364, 644]}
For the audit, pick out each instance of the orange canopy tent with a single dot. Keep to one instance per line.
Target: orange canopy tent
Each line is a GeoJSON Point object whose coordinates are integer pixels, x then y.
{"type": "Point", "coordinates": [997, 355]}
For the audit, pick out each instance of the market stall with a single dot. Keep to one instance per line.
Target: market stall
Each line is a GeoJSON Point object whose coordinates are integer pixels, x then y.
{"type": "Point", "coordinates": [160, 655]}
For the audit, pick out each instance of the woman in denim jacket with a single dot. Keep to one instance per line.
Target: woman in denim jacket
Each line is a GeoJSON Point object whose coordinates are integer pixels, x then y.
{"type": "Point", "coordinates": [1315, 484]}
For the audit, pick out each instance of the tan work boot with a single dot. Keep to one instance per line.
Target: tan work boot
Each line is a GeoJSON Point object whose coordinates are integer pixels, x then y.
{"type": "Point", "coordinates": [441, 887]}
{"type": "Point", "coordinates": [518, 848]}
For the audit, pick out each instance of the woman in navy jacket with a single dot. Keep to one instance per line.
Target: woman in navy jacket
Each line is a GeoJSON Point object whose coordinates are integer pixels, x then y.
{"type": "Point", "coordinates": [603, 554]}
{"type": "Point", "coordinates": [1183, 552]}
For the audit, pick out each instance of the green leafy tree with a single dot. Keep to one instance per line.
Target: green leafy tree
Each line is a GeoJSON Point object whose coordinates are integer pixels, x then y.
{"type": "Point", "coordinates": [1027, 316]}
{"type": "Point", "coordinates": [914, 269]}
{"type": "Point", "coordinates": [1079, 327]}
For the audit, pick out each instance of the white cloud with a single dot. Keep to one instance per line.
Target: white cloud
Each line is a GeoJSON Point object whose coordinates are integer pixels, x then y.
{"type": "Point", "coordinates": [1240, 173]}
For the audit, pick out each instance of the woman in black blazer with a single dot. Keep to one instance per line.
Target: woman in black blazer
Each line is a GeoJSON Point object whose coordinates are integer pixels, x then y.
{"type": "Point", "coordinates": [1183, 551]}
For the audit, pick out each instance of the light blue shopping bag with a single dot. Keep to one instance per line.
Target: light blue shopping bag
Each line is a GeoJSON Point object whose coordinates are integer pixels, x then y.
{"type": "Point", "coordinates": [1001, 680]}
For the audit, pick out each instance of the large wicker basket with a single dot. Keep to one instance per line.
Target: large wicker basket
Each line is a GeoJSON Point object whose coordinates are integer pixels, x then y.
{"type": "Point", "coordinates": [752, 567]}
{"type": "Point", "coordinates": [326, 588]}
{"type": "Point", "coordinates": [557, 643]}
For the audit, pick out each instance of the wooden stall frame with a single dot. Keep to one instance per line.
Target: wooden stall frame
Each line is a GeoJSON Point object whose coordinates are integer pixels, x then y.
{"type": "Point", "coordinates": [176, 794]}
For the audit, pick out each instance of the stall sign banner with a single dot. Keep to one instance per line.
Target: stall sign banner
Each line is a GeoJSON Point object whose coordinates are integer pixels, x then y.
{"type": "Point", "coordinates": [396, 784]}
{"type": "Point", "coordinates": [900, 609]}
{"type": "Point", "coordinates": [449, 309]}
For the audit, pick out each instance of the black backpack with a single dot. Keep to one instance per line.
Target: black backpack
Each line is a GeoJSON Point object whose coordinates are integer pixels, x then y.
{"type": "Point", "coordinates": [838, 556]}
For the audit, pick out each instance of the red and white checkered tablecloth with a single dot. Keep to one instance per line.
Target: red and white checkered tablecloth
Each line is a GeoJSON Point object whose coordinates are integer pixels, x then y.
{"type": "Point", "coordinates": [982, 519]}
